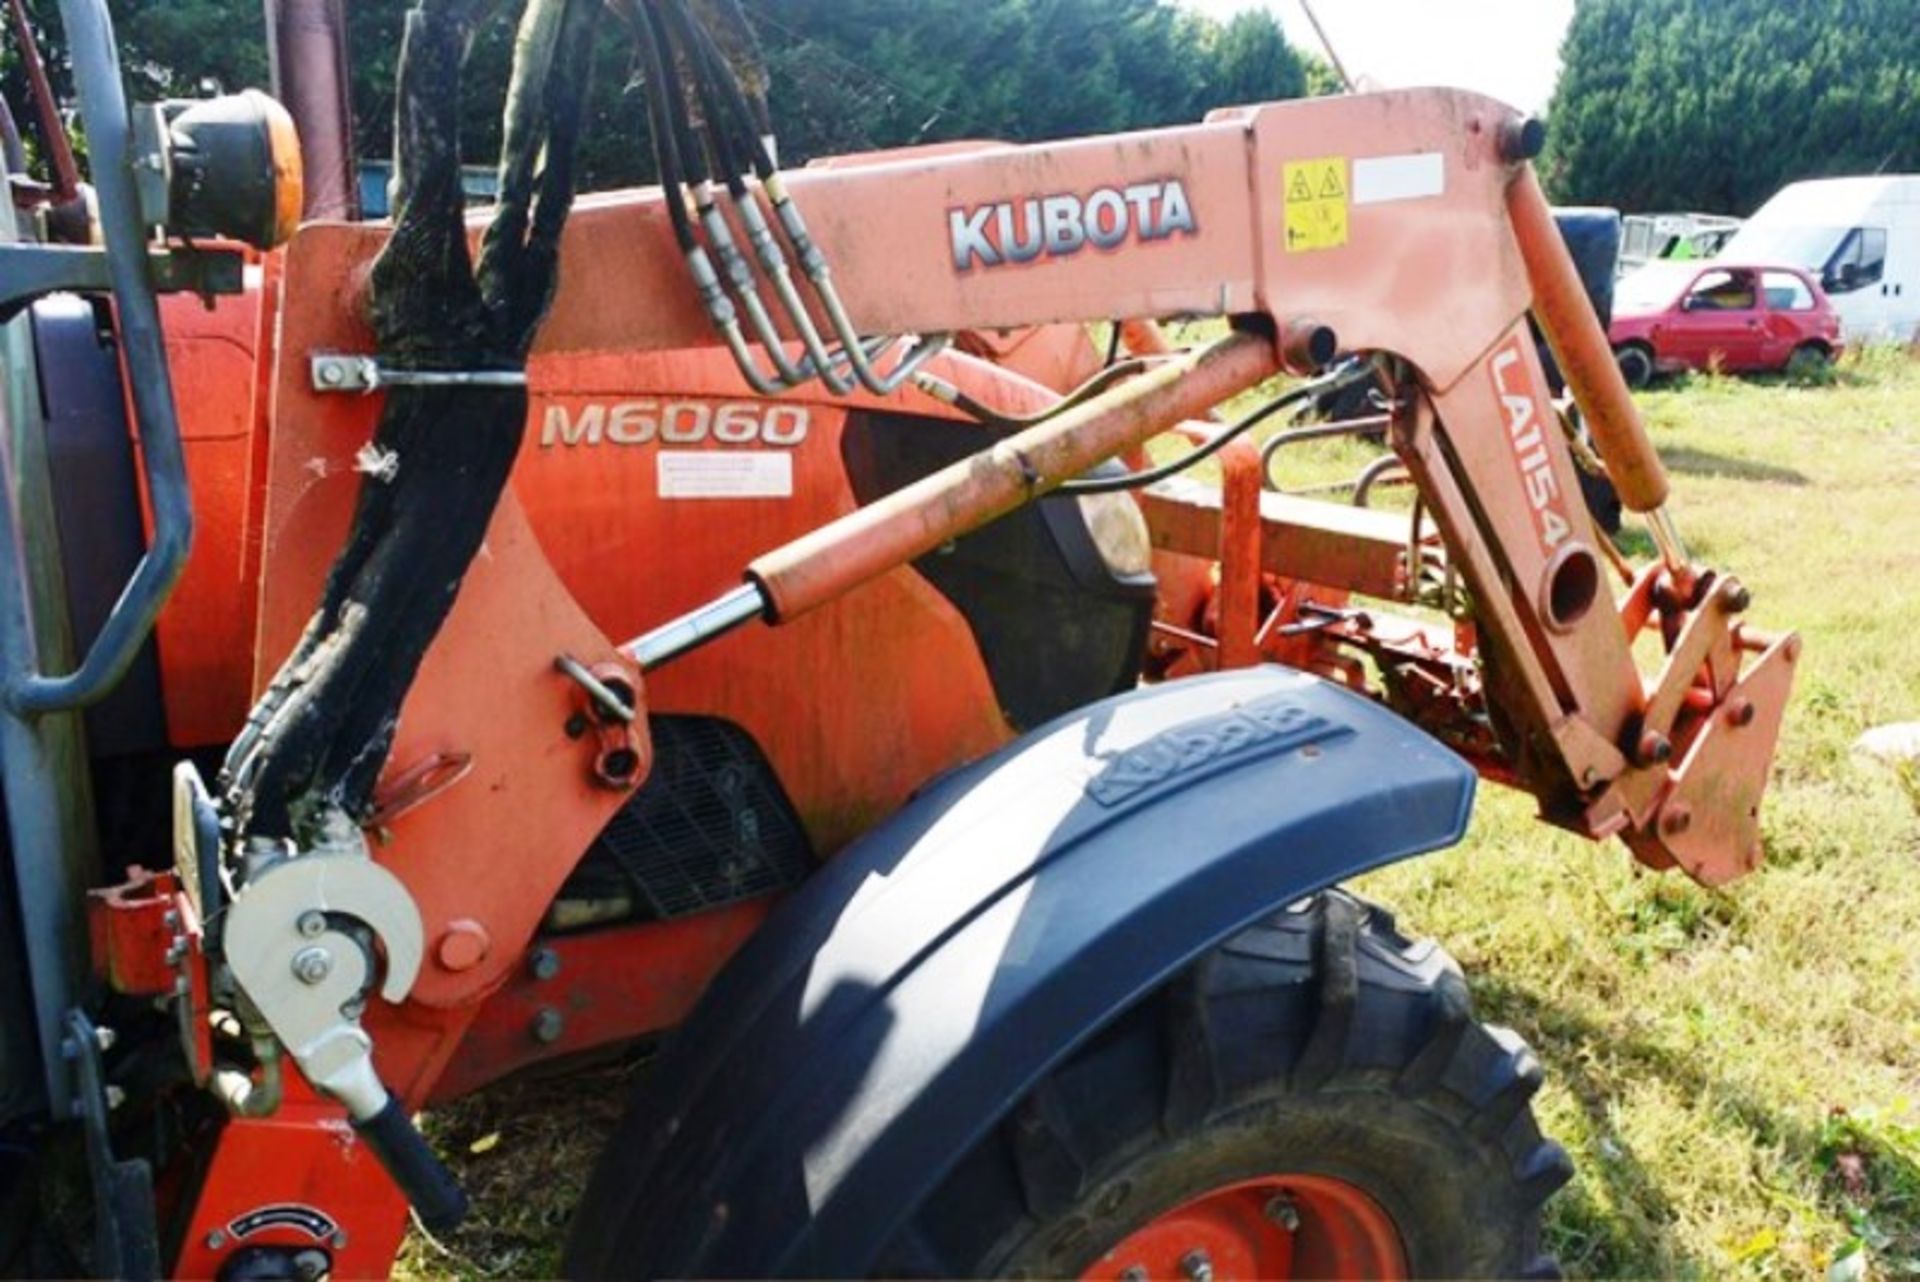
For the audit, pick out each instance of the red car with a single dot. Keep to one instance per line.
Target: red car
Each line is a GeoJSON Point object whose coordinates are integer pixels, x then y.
{"type": "Point", "coordinates": [1673, 316]}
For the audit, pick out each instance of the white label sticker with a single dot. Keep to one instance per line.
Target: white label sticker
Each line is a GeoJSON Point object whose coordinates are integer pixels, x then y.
{"type": "Point", "coordinates": [726, 474]}
{"type": "Point", "coordinates": [1379, 179]}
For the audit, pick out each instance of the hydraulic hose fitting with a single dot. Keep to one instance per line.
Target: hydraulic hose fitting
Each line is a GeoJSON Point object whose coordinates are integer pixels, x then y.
{"type": "Point", "coordinates": [707, 282]}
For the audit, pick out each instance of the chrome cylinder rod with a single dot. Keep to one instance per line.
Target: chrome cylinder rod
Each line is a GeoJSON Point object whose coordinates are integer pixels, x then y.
{"type": "Point", "coordinates": [697, 627]}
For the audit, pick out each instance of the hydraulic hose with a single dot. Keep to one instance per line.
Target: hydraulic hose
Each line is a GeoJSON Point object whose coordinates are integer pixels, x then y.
{"type": "Point", "coordinates": [693, 160]}
{"type": "Point", "coordinates": [1219, 441]}
{"type": "Point", "coordinates": [665, 114]}
{"type": "Point", "coordinates": [812, 261]}
{"type": "Point", "coordinates": [772, 261]}
{"type": "Point", "coordinates": [940, 389]}
{"type": "Point", "coordinates": [729, 166]}
{"type": "Point", "coordinates": [660, 121]}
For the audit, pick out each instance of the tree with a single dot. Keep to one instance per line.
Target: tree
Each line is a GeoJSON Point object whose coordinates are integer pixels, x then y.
{"type": "Point", "coordinates": [1252, 62]}
{"type": "Point", "coordinates": [1714, 105]}
{"type": "Point", "coordinates": [848, 75]}
{"type": "Point", "coordinates": [852, 74]}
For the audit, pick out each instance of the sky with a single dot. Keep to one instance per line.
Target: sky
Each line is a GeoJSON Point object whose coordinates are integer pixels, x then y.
{"type": "Point", "coordinates": [1509, 49]}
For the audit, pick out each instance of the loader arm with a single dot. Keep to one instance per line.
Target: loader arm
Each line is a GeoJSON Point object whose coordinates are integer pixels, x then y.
{"type": "Point", "coordinates": [1407, 226]}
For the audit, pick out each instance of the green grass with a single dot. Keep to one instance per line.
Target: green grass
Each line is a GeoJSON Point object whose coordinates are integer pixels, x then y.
{"type": "Point", "coordinates": [1736, 1072]}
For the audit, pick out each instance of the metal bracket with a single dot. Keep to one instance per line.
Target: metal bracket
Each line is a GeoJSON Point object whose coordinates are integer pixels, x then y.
{"type": "Point", "coordinates": [344, 372]}
{"type": "Point", "coordinates": [31, 272]}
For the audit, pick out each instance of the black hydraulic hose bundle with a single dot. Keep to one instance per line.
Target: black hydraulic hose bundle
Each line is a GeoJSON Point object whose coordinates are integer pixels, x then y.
{"type": "Point", "coordinates": [317, 740]}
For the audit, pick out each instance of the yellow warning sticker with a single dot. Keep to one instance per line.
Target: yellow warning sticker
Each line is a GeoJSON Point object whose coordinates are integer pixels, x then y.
{"type": "Point", "coordinates": [1316, 204]}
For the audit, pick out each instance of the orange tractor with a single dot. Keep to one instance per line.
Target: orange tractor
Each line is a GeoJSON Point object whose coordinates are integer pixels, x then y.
{"type": "Point", "coordinates": [958, 790]}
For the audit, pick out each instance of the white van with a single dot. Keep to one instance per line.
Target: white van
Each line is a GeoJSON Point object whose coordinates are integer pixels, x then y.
{"type": "Point", "coordinates": [1860, 235]}
{"type": "Point", "coordinates": [1645, 238]}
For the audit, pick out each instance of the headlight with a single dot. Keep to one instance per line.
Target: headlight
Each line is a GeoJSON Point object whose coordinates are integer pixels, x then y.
{"type": "Point", "coordinates": [222, 167]}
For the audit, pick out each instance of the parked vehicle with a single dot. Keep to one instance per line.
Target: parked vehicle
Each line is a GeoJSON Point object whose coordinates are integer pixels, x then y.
{"type": "Point", "coordinates": [1647, 238]}
{"type": "Point", "coordinates": [1672, 316]}
{"type": "Point", "coordinates": [1860, 236]}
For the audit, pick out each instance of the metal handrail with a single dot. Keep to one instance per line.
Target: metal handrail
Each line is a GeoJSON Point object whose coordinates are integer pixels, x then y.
{"type": "Point", "coordinates": [103, 108]}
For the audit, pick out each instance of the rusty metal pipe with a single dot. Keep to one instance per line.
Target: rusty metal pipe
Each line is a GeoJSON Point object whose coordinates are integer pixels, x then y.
{"type": "Point", "coordinates": [835, 559]}
{"type": "Point", "coordinates": [53, 131]}
{"type": "Point", "coordinates": [1580, 345]}
{"type": "Point", "coordinates": [307, 52]}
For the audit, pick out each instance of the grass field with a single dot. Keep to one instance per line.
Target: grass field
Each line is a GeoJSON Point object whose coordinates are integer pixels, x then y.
{"type": "Point", "coordinates": [1737, 1072]}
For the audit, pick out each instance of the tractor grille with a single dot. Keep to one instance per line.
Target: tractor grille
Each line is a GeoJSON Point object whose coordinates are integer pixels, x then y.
{"type": "Point", "coordinates": [711, 826]}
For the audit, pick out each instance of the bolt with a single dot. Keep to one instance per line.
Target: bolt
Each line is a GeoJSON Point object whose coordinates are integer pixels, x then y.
{"type": "Point", "coordinates": [1134, 1273]}
{"type": "Point", "coordinates": [104, 1038]}
{"type": "Point", "coordinates": [331, 374]}
{"type": "Point", "coordinates": [170, 919]}
{"type": "Point", "coordinates": [312, 965]}
{"type": "Point", "coordinates": [116, 1096]}
{"type": "Point", "coordinates": [1735, 598]}
{"type": "Point", "coordinates": [464, 946]}
{"type": "Point", "coordinates": [544, 962]}
{"type": "Point", "coordinates": [339, 1239]}
{"type": "Point", "coordinates": [176, 951]}
{"type": "Point", "coordinates": [1740, 713]}
{"type": "Point", "coordinates": [548, 1025]}
{"type": "Point", "coordinates": [1282, 1211]}
{"type": "Point", "coordinates": [216, 1240]}
{"type": "Point", "coordinates": [312, 924]}
{"type": "Point", "coordinates": [1676, 820]}
{"type": "Point", "coordinates": [310, 1265]}
{"type": "Point", "coordinates": [1197, 1266]}
{"type": "Point", "coordinates": [1655, 749]}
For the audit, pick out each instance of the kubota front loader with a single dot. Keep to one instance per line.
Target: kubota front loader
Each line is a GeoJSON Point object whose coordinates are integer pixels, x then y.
{"type": "Point", "coordinates": [743, 613]}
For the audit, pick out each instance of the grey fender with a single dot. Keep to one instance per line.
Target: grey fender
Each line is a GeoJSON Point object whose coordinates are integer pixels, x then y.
{"type": "Point", "coordinates": [893, 1011]}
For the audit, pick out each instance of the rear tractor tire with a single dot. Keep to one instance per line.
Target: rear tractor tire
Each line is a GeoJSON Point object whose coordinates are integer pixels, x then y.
{"type": "Point", "coordinates": [1636, 364]}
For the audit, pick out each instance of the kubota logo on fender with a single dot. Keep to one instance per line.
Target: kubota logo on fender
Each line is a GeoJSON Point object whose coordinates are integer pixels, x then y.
{"type": "Point", "coordinates": [1063, 225]}
{"type": "Point", "coordinates": [1525, 416]}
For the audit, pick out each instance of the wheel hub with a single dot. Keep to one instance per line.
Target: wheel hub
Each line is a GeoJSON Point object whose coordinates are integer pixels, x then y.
{"type": "Point", "coordinates": [1276, 1227]}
